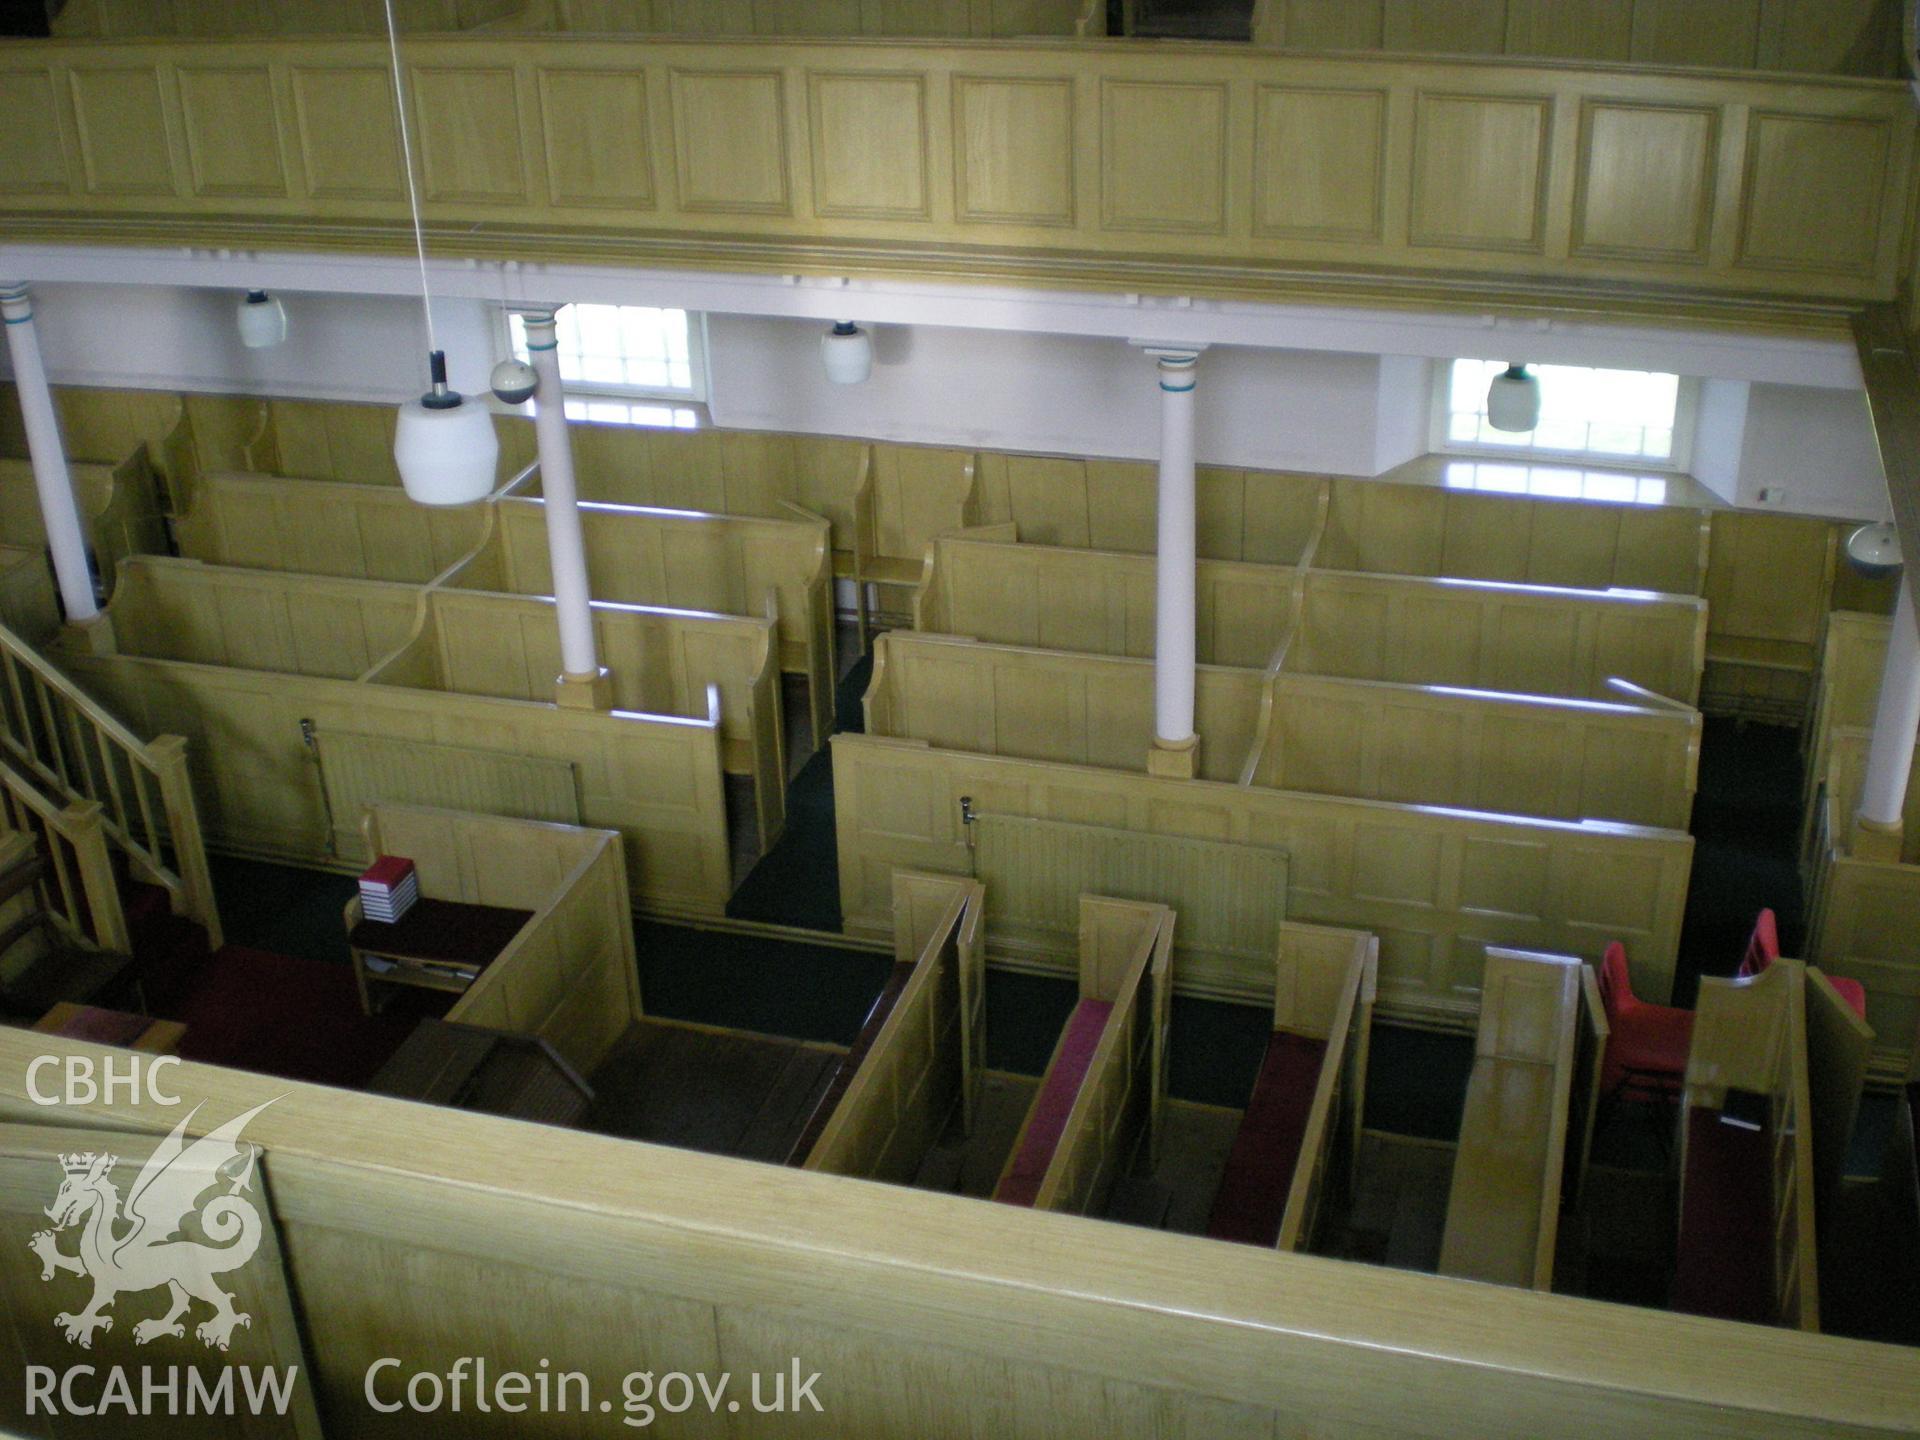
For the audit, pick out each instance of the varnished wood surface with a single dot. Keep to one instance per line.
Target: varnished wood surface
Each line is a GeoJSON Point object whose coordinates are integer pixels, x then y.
{"type": "Point", "coordinates": [521, 1241]}
{"type": "Point", "coordinates": [1202, 168]}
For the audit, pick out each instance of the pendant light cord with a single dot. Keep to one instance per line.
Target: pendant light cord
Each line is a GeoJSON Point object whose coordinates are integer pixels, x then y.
{"type": "Point", "coordinates": [406, 154]}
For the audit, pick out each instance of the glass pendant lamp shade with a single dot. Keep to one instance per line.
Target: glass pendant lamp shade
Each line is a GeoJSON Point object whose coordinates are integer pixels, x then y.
{"type": "Point", "coordinates": [444, 445]}
{"type": "Point", "coordinates": [847, 354]}
{"type": "Point", "coordinates": [262, 321]}
{"type": "Point", "coordinates": [1513, 400]}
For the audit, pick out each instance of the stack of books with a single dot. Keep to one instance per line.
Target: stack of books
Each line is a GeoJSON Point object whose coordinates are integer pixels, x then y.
{"type": "Point", "coordinates": [388, 889]}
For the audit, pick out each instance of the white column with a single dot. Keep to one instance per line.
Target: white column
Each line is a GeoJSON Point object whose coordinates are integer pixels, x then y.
{"type": "Point", "coordinates": [583, 682]}
{"type": "Point", "coordinates": [1896, 725]}
{"type": "Point", "coordinates": [51, 478]}
{"type": "Point", "coordinates": [1174, 568]}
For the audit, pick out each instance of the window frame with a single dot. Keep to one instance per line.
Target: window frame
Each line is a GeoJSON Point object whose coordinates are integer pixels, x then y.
{"type": "Point", "coordinates": [693, 397]}
{"type": "Point", "coordinates": [1686, 405]}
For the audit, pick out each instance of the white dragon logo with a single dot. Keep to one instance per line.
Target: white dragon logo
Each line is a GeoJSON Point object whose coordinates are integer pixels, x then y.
{"type": "Point", "coordinates": [139, 1246]}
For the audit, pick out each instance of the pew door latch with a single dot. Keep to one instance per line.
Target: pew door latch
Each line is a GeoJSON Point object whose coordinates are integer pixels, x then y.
{"type": "Point", "coordinates": [967, 817]}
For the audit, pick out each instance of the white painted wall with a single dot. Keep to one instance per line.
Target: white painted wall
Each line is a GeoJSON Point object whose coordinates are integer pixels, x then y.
{"type": "Point", "coordinates": [1807, 448]}
{"type": "Point", "coordinates": [1811, 451]}
{"type": "Point", "coordinates": [1278, 409]}
{"type": "Point", "coordinates": [338, 347]}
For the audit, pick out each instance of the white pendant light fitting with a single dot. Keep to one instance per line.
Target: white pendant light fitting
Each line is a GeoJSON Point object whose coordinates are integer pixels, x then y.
{"type": "Point", "coordinates": [262, 321]}
{"type": "Point", "coordinates": [1513, 400]}
{"type": "Point", "coordinates": [1874, 550]}
{"type": "Point", "coordinates": [847, 353]}
{"type": "Point", "coordinates": [444, 447]}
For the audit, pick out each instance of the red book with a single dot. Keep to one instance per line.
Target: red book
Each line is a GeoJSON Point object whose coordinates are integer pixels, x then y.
{"type": "Point", "coordinates": [387, 871]}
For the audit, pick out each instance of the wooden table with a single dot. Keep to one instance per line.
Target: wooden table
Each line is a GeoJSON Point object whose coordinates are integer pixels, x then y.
{"type": "Point", "coordinates": [112, 1027]}
{"type": "Point", "coordinates": [437, 945]}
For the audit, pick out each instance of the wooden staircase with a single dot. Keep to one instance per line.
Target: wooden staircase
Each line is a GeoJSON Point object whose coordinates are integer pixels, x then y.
{"type": "Point", "coordinates": [125, 867]}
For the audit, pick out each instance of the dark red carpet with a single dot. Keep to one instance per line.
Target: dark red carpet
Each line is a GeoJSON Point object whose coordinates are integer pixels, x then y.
{"type": "Point", "coordinates": [1725, 1260]}
{"type": "Point", "coordinates": [298, 1019]}
{"type": "Point", "coordinates": [1252, 1199]}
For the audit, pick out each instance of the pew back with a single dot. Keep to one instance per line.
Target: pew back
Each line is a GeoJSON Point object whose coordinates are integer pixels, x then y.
{"type": "Point", "coordinates": [169, 609]}
{"type": "Point", "coordinates": [655, 779]}
{"type": "Point", "coordinates": [1861, 925]}
{"type": "Point", "coordinates": [1437, 886]}
{"type": "Point", "coordinates": [359, 532]}
{"type": "Point", "coordinates": [724, 564]}
{"type": "Point", "coordinates": [1503, 1208]}
{"type": "Point", "coordinates": [569, 977]}
{"type": "Point", "coordinates": [29, 603]}
{"type": "Point", "coordinates": [927, 1057]}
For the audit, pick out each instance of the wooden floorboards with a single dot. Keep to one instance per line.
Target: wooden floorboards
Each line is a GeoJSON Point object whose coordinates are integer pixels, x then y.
{"type": "Point", "coordinates": [701, 1088]}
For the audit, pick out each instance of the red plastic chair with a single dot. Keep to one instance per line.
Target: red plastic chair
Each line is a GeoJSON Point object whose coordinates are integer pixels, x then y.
{"type": "Point", "coordinates": [1647, 1044]}
{"type": "Point", "coordinates": [1763, 948]}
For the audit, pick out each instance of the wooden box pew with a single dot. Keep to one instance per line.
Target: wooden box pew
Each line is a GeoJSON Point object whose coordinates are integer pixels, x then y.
{"type": "Point", "coordinates": [662, 662]}
{"type": "Point", "coordinates": [1262, 516]}
{"type": "Point", "coordinates": [1861, 924]}
{"type": "Point", "coordinates": [1415, 529]}
{"type": "Point", "coordinates": [1101, 1095]}
{"type": "Point", "coordinates": [1503, 1207]}
{"type": "Point", "coordinates": [1495, 635]}
{"type": "Point", "coordinates": [1839, 1052]}
{"type": "Point", "coordinates": [316, 527]}
{"type": "Point", "coordinates": [1097, 601]}
{"type": "Point", "coordinates": [920, 1052]}
{"type": "Point", "coordinates": [1010, 1323]}
{"type": "Point", "coordinates": [1746, 1247]}
{"type": "Point", "coordinates": [1437, 885]}
{"type": "Point", "coordinates": [1527, 639]}
{"type": "Point", "coordinates": [284, 763]}
{"type": "Point", "coordinates": [723, 564]}
{"type": "Point", "coordinates": [569, 976]}
{"type": "Point", "coordinates": [1853, 652]}
{"type": "Point", "coordinates": [1308, 1099]}
{"type": "Point", "coordinates": [172, 609]}
{"type": "Point", "coordinates": [1415, 745]}
{"type": "Point", "coordinates": [119, 508]}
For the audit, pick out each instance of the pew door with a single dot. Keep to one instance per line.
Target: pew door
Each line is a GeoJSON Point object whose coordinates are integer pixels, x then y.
{"type": "Point", "coordinates": [200, 1195]}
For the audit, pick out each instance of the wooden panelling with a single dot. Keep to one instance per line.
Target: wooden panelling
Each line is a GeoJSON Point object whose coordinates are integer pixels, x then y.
{"type": "Point", "coordinates": [31, 162]}
{"type": "Point", "coordinates": [1331, 24]}
{"type": "Point", "coordinates": [224, 156]}
{"type": "Point", "coordinates": [656, 780]}
{"type": "Point", "coordinates": [730, 141]}
{"type": "Point", "coordinates": [598, 145]}
{"type": "Point", "coordinates": [466, 120]}
{"type": "Point", "coordinates": [1480, 172]}
{"type": "Point", "coordinates": [1437, 886]}
{"type": "Point", "coordinates": [1317, 163]}
{"type": "Point", "coordinates": [869, 145]}
{"type": "Point", "coordinates": [1646, 181]}
{"type": "Point", "coordinates": [1163, 157]}
{"type": "Point", "coordinates": [431, 1233]}
{"type": "Point", "coordinates": [1038, 155]}
{"type": "Point", "coordinates": [1861, 926]}
{"type": "Point", "coordinates": [349, 132]}
{"type": "Point", "coordinates": [1013, 150]}
{"type": "Point", "coordinates": [1799, 165]}
{"type": "Point", "coordinates": [1459, 27]}
{"type": "Point", "coordinates": [121, 119]}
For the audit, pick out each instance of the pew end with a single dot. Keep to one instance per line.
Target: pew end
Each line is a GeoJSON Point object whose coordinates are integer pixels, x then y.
{"type": "Point", "coordinates": [1503, 1207]}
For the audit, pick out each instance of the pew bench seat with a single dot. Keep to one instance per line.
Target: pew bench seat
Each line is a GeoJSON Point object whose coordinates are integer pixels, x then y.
{"type": "Point", "coordinates": [1724, 1265]}
{"type": "Point", "coordinates": [849, 1065]}
{"type": "Point", "coordinates": [1021, 1183]}
{"type": "Point", "coordinates": [1252, 1199]}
